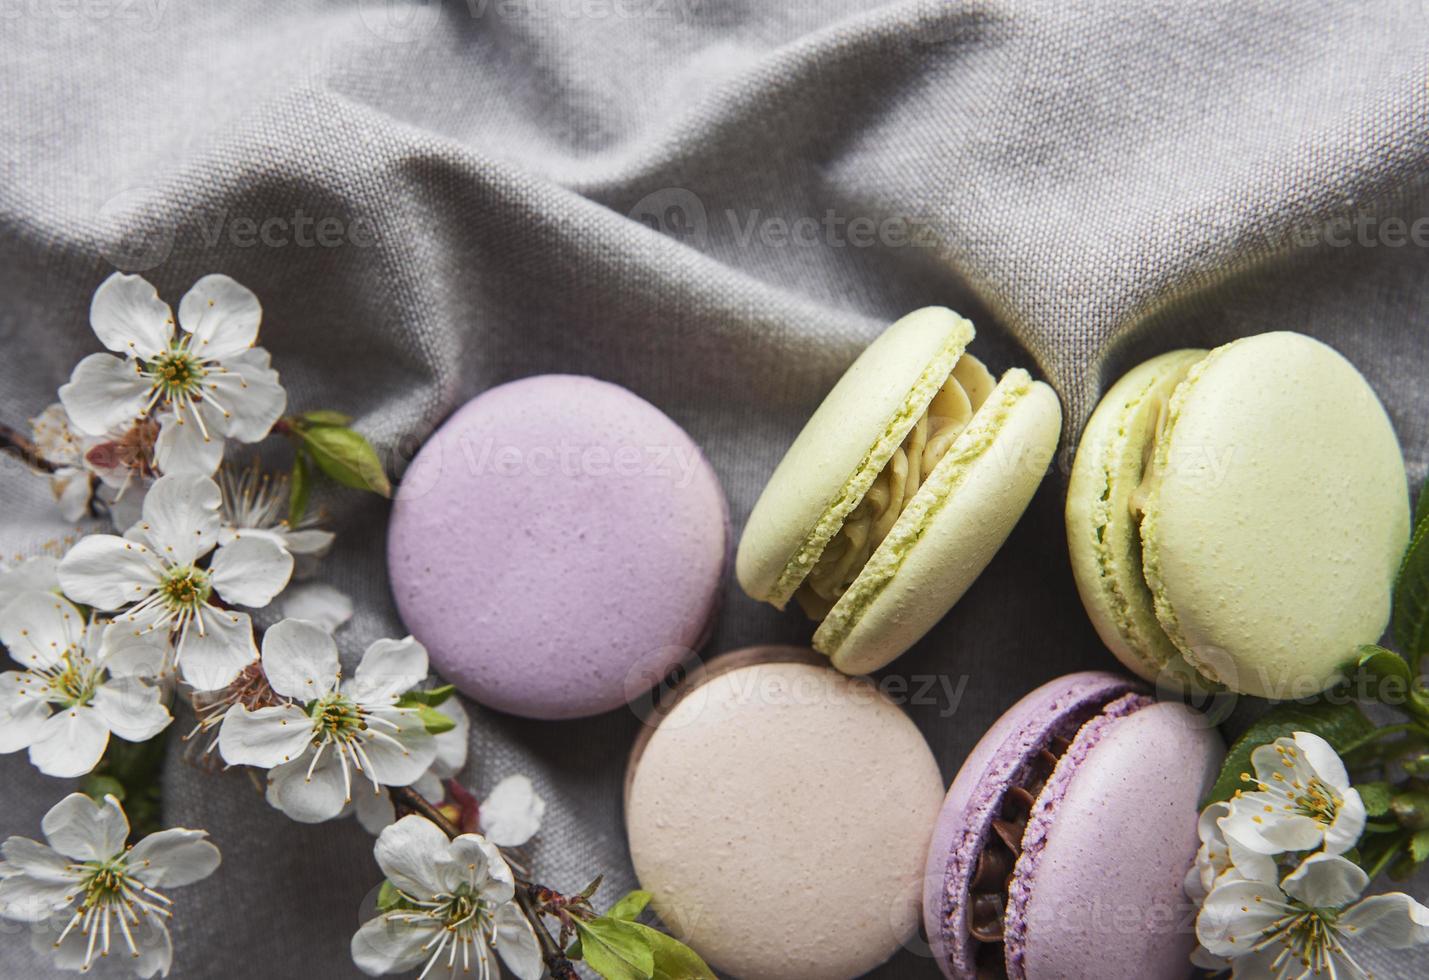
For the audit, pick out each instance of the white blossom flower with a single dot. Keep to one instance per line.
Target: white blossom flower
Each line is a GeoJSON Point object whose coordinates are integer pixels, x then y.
{"type": "Point", "coordinates": [206, 383]}
{"type": "Point", "coordinates": [85, 893]}
{"type": "Point", "coordinates": [1301, 926]}
{"type": "Point", "coordinates": [332, 725]}
{"type": "Point", "coordinates": [154, 574]}
{"type": "Point", "coordinates": [1303, 800]}
{"type": "Point", "coordinates": [375, 812]}
{"type": "Point", "coordinates": [1223, 858]}
{"type": "Point", "coordinates": [511, 813]}
{"type": "Point", "coordinates": [36, 573]}
{"type": "Point", "coordinates": [81, 682]}
{"type": "Point", "coordinates": [317, 602]}
{"type": "Point", "coordinates": [455, 905]}
{"type": "Point", "coordinates": [255, 504]}
{"type": "Point", "coordinates": [121, 460]}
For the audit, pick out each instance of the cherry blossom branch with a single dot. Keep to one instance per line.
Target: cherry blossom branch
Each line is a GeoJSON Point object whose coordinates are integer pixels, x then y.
{"type": "Point", "coordinates": [14, 443]}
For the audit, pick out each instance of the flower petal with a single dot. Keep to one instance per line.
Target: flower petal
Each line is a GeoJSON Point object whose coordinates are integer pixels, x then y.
{"type": "Point", "coordinates": [108, 572]}
{"type": "Point", "coordinates": [415, 856]}
{"type": "Point", "coordinates": [222, 315]}
{"type": "Point", "coordinates": [37, 574]}
{"type": "Point", "coordinates": [1344, 832]}
{"type": "Point", "coordinates": [173, 857]}
{"type": "Point", "coordinates": [300, 660]}
{"type": "Point", "coordinates": [181, 518]}
{"type": "Point", "coordinates": [250, 394]}
{"type": "Point", "coordinates": [309, 541]}
{"type": "Point", "coordinates": [318, 603]}
{"type": "Point", "coordinates": [404, 762]}
{"type": "Point", "coordinates": [1235, 914]}
{"type": "Point", "coordinates": [1393, 920]}
{"type": "Point", "coordinates": [374, 811]}
{"type": "Point", "coordinates": [131, 709]}
{"type": "Point", "coordinates": [1325, 881]}
{"type": "Point", "coordinates": [127, 652]}
{"type": "Point", "coordinates": [477, 864]}
{"type": "Point", "coordinates": [212, 659]}
{"type": "Point", "coordinates": [251, 571]}
{"type": "Point", "coordinates": [128, 316]}
{"type": "Point", "coordinates": [38, 880]}
{"type": "Point", "coordinates": [103, 392]}
{"type": "Point", "coordinates": [1323, 759]}
{"type": "Point", "coordinates": [22, 711]}
{"type": "Point", "coordinates": [82, 829]}
{"type": "Point", "coordinates": [452, 745]}
{"type": "Point", "coordinates": [391, 945]}
{"type": "Point", "coordinates": [39, 628]}
{"type": "Point", "coordinates": [185, 449]}
{"type": "Point", "coordinates": [69, 743]}
{"type": "Point", "coordinates": [516, 941]}
{"type": "Point", "coordinates": [388, 669]}
{"type": "Point", "coordinates": [266, 737]}
{"type": "Point", "coordinates": [304, 799]}
{"type": "Point", "coordinates": [511, 813]}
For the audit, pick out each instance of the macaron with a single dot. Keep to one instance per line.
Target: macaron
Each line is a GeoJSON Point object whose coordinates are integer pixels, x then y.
{"type": "Point", "coordinates": [1237, 517]}
{"type": "Point", "coordinates": [558, 544]}
{"type": "Point", "coordinates": [898, 492]}
{"type": "Point", "coordinates": [1061, 849]}
{"type": "Point", "coordinates": [779, 814]}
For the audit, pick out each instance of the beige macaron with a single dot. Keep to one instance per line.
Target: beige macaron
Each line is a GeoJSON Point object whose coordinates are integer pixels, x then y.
{"type": "Point", "coordinates": [900, 489]}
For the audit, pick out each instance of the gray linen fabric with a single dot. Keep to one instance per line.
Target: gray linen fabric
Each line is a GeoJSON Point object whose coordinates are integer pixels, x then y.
{"type": "Point", "coordinates": [716, 203]}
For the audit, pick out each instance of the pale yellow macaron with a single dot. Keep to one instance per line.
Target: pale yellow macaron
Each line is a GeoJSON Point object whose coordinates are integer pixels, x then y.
{"type": "Point", "coordinates": [1237, 517]}
{"type": "Point", "coordinates": [899, 490]}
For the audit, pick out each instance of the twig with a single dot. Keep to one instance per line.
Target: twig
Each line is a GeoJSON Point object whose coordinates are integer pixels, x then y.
{"type": "Point", "coordinates": [406, 796]}
{"type": "Point", "coordinates": [14, 443]}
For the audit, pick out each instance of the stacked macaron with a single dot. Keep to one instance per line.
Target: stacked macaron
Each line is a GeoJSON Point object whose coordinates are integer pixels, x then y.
{"type": "Point", "coordinates": [899, 490]}
{"type": "Point", "coordinates": [1238, 516]}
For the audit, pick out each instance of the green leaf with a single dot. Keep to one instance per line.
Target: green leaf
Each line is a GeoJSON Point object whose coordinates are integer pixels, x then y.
{"type": "Point", "coordinates": [1419, 846]}
{"type": "Point", "coordinates": [630, 906]}
{"type": "Point", "coordinates": [434, 720]}
{"type": "Point", "coordinates": [1410, 622]}
{"type": "Point", "coordinates": [1376, 797]}
{"type": "Point", "coordinates": [1421, 510]}
{"type": "Point", "coordinates": [616, 949]}
{"type": "Point", "coordinates": [300, 487]}
{"type": "Point", "coordinates": [388, 897]}
{"type": "Point", "coordinates": [431, 696]}
{"type": "Point", "coordinates": [346, 456]}
{"type": "Point", "coordinates": [1383, 675]}
{"type": "Point", "coordinates": [1338, 724]}
{"type": "Point", "coordinates": [98, 787]}
{"type": "Point", "coordinates": [323, 416]}
{"type": "Point", "coordinates": [673, 959]}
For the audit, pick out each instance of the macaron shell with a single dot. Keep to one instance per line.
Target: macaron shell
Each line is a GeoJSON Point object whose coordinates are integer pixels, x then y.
{"type": "Point", "coordinates": [843, 447]}
{"type": "Point", "coordinates": [1102, 534]}
{"type": "Point", "coordinates": [557, 545]}
{"type": "Point", "coordinates": [950, 531]}
{"type": "Point", "coordinates": [1058, 707]}
{"type": "Point", "coordinates": [1098, 891]}
{"type": "Point", "coordinates": [1272, 539]}
{"type": "Point", "coordinates": [780, 816]}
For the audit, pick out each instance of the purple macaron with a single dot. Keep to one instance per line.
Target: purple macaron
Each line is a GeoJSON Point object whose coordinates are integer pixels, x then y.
{"type": "Point", "coordinates": [1062, 846]}
{"type": "Point", "coordinates": [558, 545]}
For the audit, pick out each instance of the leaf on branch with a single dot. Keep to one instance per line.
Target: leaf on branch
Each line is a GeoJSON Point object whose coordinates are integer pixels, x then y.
{"type": "Point", "coordinates": [432, 696]}
{"type": "Point", "coordinates": [300, 487]}
{"type": "Point", "coordinates": [1419, 847]}
{"type": "Point", "coordinates": [323, 416]}
{"type": "Point", "coordinates": [630, 906]}
{"type": "Point", "coordinates": [1376, 797]}
{"type": "Point", "coordinates": [1338, 724]}
{"type": "Point", "coordinates": [616, 949]}
{"type": "Point", "coordinates": [673, 959]}
{"type": "Point", "coordinates": [1410, 622]}
{"type": "Point", "coordinates": [433, 720]}
{"type": "Point", "coordinates": [1383, 675]}
{"type": "Point", "coordinates": [346, 456]}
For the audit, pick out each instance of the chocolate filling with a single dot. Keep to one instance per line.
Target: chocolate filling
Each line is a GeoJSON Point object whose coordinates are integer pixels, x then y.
{"type": "Point", "coordinates": [987, 892]}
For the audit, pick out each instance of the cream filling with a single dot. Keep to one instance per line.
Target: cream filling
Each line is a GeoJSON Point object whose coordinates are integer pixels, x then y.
{"type": "Point", "coordinates": [932, 435]}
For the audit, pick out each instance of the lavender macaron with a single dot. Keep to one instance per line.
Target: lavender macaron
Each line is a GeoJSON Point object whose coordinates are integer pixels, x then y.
{"type": "Point", "coordinates": [558, 545]}
{"type": "Point", "coordinates": [1062, 846]}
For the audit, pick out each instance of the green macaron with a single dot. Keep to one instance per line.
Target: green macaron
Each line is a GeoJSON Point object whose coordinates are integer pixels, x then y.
{"type": "Point", "coordinates": [1236, 517]}
{"type": "Point", "coordinates": [899, 490]}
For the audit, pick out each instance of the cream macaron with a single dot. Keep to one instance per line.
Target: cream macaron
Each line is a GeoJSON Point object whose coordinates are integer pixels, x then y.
{"type": "Point", "coordinates": [779, 814]}
{"type": "Point", "coordinates": [1237, 516]}
{"type": "Point", "coordinates": [899, 490]}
